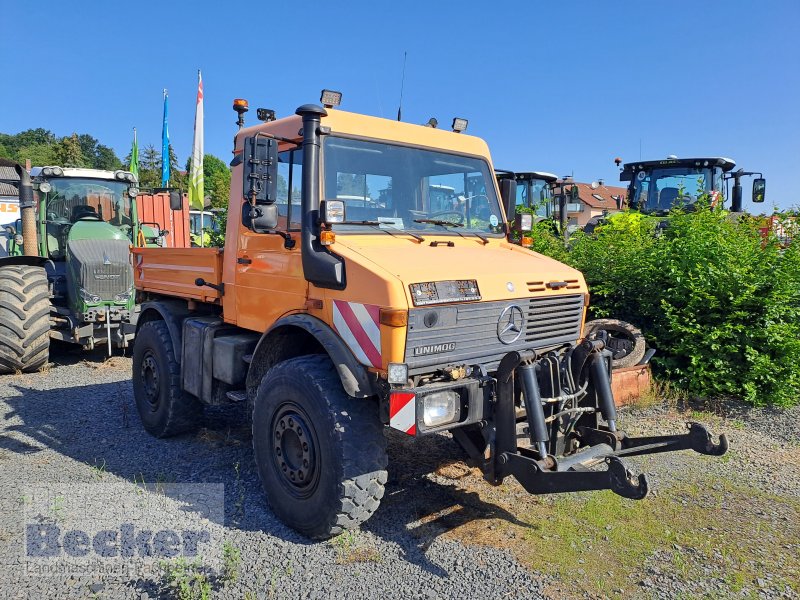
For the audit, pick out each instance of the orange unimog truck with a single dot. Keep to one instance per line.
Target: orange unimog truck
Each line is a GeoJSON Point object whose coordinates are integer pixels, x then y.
{"type": "Point", "coordinates": [355, 294]}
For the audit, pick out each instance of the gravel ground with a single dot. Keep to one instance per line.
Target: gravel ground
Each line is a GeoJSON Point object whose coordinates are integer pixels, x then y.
{"type": "Point", "coordinates": [77, 424]}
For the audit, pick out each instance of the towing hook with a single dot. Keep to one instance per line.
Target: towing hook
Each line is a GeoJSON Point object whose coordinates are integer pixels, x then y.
{"type": "Point", "coordinates": [625, 483]}
{"type": "Point", "coordinates": [703, 444]}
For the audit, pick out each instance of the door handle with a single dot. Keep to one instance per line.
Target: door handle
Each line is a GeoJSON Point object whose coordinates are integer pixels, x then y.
{"type": "Point", "coordinates": [243, 260]}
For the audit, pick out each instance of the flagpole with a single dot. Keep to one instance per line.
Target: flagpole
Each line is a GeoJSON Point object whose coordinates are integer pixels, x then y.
{"type": "Point", "coordinates": [165, 166]}
{"type": "Point", "coordinates": [196, 183]}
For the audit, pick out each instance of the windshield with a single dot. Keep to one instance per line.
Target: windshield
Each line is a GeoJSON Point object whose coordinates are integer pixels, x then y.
{"type": "Point", "coordinates": [410, 188]}
{"type": "Point", "coordinates": [535, 194]}
{"type": "Point", "coordinates": [663, 189]}
{"type": "Point", "coordinates": [73, 199]}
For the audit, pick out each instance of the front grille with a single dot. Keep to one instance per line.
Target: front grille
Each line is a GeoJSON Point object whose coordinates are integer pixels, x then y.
{"type": "Point", "coordinates": [468, 333]}
{"type": "Point", "coordinates": [101, 267]}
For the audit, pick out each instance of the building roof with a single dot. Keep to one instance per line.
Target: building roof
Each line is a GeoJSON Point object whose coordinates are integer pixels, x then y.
{"type": "Point", "coordinates": [602, 198]}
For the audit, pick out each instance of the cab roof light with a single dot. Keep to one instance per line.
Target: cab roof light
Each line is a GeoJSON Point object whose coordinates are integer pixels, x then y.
{"type": "Point", "coordinates": [330, 98]}
{"type": "Point", "coordinates": [460, 125]}
{"type": "Point", "coordinates": [432, 122]}
{"type": "Point", "coordinates": [240, 105]}
{"type": "Point", "coordinates": [265, 114]}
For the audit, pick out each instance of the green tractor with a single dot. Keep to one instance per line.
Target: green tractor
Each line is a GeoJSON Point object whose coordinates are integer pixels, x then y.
{"type": "Point", "coordinates": [657, 186]}
{"type": "Point", "coordinates": [67, 274]}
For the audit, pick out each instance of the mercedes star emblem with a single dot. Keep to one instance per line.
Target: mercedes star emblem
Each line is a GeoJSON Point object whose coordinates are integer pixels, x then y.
{"type": "Point", "coordinates": [510, 324]}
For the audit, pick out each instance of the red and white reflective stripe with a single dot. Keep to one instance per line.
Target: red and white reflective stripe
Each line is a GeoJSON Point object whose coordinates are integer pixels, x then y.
{"type": "Point", "coordinates": [360, 328]}
{"type": "Point", "coordinates": [403, 412]}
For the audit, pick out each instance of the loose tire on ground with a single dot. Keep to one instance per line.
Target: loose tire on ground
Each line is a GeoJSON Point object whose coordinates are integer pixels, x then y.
{"type": "Point", "coordinates": [24, 318]}
{"type": "Point", "coordinates": [626, 341]}
{"type": "Point", "coordinates": [164, 408]}
{"type": "Point", "coordinates": [320, 454]}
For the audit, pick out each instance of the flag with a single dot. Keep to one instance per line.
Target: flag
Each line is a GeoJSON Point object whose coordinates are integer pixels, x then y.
{"type": "Point", "coordinates": [196, 191]}
{"type": "Point", "coordinates": [165, 146]}
{"type": "Point", "coordinates": [134, 168]}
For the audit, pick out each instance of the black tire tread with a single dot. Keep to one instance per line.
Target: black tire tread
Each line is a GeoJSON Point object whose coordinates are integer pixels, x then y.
{"type": "Point", "coordinates": [24, 318]}
{"type": "Point", "coordinates": [358, 431]}
{"type": "Point", "coordinates": [184, 412]}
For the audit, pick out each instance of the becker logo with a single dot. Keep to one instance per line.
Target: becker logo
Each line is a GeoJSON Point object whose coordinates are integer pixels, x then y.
{"type": "Point", "coordinates": [434, 349]}
{"type": "Point", "coordinates": [510, 324]}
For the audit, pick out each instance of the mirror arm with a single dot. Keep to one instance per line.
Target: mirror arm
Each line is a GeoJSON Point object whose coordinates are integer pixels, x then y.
{"type": "Point", "coordinates": [288, 241]}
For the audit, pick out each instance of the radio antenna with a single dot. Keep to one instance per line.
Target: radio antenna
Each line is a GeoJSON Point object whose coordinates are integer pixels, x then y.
{"type": "Point", "coordinates": [402, 84]}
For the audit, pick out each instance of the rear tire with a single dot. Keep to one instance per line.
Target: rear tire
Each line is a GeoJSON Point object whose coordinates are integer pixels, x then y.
{"type": "Point", "coordinates": [24, 318]}
{"type": "Point", "coordinates": [164, 408]}
{"type": "Point", "coordinates": [320, 454]}
{"type": "Point", "coordinates": [626, 342]}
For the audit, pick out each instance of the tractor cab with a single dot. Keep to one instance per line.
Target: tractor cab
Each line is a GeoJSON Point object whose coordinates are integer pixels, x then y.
{"type": "Point", "coordinates": [658, 186]}
{"type": "Point", "coordinates": [534, 191]}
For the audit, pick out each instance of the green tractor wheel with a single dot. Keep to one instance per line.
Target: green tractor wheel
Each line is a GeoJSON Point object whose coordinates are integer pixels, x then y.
{"type": "Point", "coordinates": [24, 318]}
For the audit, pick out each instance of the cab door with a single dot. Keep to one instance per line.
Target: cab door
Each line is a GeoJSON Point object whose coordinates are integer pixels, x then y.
{"type": "Point", "coordinates": [269, 273]}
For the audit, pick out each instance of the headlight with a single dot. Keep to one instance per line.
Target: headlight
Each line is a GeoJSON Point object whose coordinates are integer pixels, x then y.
{"type": "Point", "coordinates": [45, 187]}
{"type": "Point", "coordinates": [133, 192]}
{"type": "Point", "coordinates": [524, 221]}
{"type": "Point", "coordinates": [87, 297]}
{"type": "Point", "coordinates": [440, 408]}
{"type": "Point", "coordinates": [123, 297]}
{"type": "Point", "coordinates": [18, 239]}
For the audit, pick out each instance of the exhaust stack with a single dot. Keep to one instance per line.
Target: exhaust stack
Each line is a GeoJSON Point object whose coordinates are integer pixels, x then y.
{"type": "Point", "coordinates": [26, 208]}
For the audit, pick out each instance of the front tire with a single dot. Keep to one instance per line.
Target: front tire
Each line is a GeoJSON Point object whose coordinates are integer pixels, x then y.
{"type": "Point", "coordinates": [164, 408]}
{"type": "Point", "coordinates": [320, 454]}
{"type": "Point", "coordinates": [24, 318]}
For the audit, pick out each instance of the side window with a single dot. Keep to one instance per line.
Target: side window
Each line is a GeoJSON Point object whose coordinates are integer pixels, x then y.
{"type": "Point", "coordinates": [522, 194]}
{"type": "Point", "coordinates": [290, 177]}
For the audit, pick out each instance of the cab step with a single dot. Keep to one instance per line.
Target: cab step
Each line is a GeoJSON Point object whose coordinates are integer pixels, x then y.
{"type": "Point", "coordinates": [237, 395]}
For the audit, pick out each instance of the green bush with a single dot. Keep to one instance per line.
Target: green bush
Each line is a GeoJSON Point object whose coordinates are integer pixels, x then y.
{"type": "Point", "coordinates": [719, 302]}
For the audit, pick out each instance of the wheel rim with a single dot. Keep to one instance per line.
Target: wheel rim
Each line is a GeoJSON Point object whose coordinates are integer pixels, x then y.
{"type": "Point", "coordinates": [294, 450]}
{"type": "Point", "coordinates": [150, 380]}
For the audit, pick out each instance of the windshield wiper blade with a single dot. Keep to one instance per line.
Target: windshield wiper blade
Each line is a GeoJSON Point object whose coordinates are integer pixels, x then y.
{"type": "Point", "coordinates": [439, 222]}
{"type": "Point", "coordinates": [451, 224]}
{"type": "Point", "coordinates": [386, 229]}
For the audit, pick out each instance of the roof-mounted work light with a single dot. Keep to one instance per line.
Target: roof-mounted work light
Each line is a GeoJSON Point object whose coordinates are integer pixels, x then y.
{"type": "Point", "coordinates": [460, 125]}
{"type": "Point", "coordinates": [330, 98]}
{"type": "Point", "coordinates": [265, 114]}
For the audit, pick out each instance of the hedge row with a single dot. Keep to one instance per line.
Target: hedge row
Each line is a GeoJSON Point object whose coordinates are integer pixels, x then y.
{"type": "Point", "coordinates": [719, 301]}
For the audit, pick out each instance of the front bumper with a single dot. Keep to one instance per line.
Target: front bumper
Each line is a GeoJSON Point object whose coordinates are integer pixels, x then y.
{"type": "Point", "coordinates": [514, 423]}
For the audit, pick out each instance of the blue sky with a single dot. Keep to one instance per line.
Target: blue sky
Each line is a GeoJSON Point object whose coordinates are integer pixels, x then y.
{"type": "Point", "coordinates": [556, 86]}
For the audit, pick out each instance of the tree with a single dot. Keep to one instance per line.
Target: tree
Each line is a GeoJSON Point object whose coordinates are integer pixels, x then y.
{"type": "Point", "coordinates": [217, 178]}
{"type": "Point", "coordinates": [68, 152]}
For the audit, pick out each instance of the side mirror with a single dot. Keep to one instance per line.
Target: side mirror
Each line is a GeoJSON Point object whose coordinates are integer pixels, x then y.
{"type": "Point", "coordinates": [260, 170]}
{"type": "Point", "coordinates": [10, 230]}
{"type": "Point", "coordinates": [261, 219]}
{"type": "Point", "coordinates": [163, 232]}
{"type": "Point", "coordinates": [175, 200]}
{"type": "Point", "coordinates": [759, 189]}
{"type": "Point", "coordinates": [508, 195]}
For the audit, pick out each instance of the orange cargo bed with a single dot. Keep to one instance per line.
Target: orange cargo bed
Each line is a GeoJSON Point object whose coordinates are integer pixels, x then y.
{"type": "Point", "coordinates": [173, 271]}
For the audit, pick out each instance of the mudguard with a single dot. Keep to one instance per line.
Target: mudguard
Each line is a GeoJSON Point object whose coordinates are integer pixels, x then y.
{"type": "Point", "coordinates": [355, 378]}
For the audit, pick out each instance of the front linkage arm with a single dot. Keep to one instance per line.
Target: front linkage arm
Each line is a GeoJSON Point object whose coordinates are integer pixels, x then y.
{"type": "Point", "coordinates": [545, 474]}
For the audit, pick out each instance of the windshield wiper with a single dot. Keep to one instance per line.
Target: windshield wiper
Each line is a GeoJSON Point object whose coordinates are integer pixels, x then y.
{"type": "Point", "coordinates": [451, 224]}
{"type": "Point", "coordinates": [439, 222]}
{"type": "Point", "coordinates": [378, 224]}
